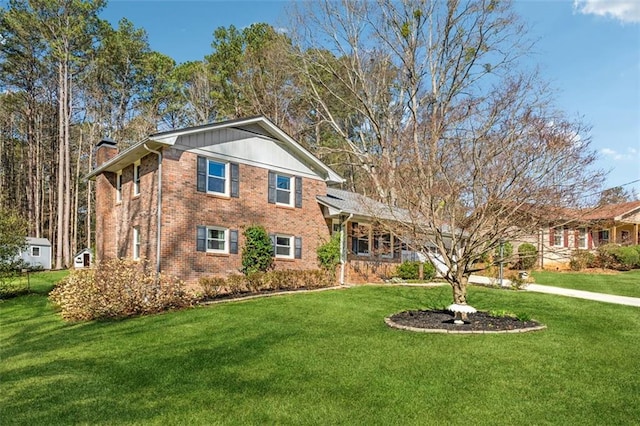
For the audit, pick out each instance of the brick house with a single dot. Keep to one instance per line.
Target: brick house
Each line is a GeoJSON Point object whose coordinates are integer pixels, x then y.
{"type": "Point", "coordinates": [182, 198]}
{"type": "Point", "coordinates": [585, 229]}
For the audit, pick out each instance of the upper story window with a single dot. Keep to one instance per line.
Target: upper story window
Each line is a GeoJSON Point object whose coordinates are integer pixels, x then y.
{"type": "Point", "coordinates": [285, 190]}
{"type": "Point", "coordinates": [119, 186]}
{"type": "Point", "coordinates": [218, 177]}
{"type": "Point", "coordinates": [35, 251]}
{"type": "Point", "coordinates": [136, 178]}
{"type": "Point", "coordinates": [136, 242]}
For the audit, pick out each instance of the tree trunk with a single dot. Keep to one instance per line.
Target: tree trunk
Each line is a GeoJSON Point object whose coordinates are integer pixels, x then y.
{"type": "Point", "coordinates": [61, 169]}
{"type": "Point", "coordinates": [459, 287]}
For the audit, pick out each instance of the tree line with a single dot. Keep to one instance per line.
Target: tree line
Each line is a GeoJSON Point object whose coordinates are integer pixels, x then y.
{"type": "Point", "coordinates": [424, 105]}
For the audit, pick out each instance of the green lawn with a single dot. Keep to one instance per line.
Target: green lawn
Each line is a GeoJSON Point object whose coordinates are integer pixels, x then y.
{"type": "Point", "coordinates": [35, 282]}
{"type": "Point", "coordinates": [622, 284]}
{"type": "Point", "coordinates": [321, 358]}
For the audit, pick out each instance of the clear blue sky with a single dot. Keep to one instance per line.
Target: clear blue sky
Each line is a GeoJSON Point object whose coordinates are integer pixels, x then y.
{"type": "Point", "coordinates": [589, 50]}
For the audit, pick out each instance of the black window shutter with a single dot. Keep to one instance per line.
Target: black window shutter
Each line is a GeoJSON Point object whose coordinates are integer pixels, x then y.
{"type": "Point", "coordinates": [202, 174]}
{"type": "Point", "coordinates": [298, 191]}
{"type": "Point", "coordinates": [272, 237]}
{"type": "Point", "coordinates": [235, 180]}
{"type": "Point", "coordinates": [201, 238]}
{"type": "Point", "coordinates": [233, 241]}
{"type": "Point", "coordinates": [298, 247]}
{"type": "Point", "coordinates": [272, 187]}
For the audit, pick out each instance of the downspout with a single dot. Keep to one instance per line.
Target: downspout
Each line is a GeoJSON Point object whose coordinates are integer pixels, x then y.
{"type": "Point", "coordinates": [343, 248]}
{"type": "Point", "coordinates": [159, 224]}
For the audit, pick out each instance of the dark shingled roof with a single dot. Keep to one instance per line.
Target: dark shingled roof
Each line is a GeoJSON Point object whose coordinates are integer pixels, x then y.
{"type": "Point", "coordinates": [358, 204]}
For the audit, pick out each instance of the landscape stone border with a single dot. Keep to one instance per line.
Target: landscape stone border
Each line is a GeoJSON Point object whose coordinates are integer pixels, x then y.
{"type": "Point", "coordinates": [271, 294]}
{"type": "Point", "coordinates": [393, 324]}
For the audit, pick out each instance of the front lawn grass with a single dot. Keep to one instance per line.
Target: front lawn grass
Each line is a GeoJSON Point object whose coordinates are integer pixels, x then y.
{"type": "Point", "coordinates": [321, 358]}
{"type": "Point", "coordinates": [620, 283]}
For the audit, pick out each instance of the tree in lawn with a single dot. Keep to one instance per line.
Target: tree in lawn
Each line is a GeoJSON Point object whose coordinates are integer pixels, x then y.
{"type": "Point", "coordinates": [257, 253]}
{"type": "Point", "coordinates": [460, 142]}
{"type": "Point", "coordinates": [13, 231]}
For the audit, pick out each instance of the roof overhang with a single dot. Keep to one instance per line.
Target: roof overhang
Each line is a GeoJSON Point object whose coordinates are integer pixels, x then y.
{"type": "Point", "coordinates": [166, 139]}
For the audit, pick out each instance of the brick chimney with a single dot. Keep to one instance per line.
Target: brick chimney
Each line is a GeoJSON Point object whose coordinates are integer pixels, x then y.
{"type": "Point", "coordinates": [106, 149]}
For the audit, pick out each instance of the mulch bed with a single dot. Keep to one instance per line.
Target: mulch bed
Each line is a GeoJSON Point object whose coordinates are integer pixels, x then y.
{"type": "Point", "coordinates": [481, 322]}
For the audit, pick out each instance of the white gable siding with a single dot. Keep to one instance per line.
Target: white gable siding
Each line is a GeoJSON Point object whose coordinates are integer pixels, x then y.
{"type": "Point", "coordinates": [247, 148]}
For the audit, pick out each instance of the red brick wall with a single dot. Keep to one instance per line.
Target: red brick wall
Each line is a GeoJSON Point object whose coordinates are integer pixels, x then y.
{"type": "Point", "coordinates": [184, 208]}
{"type": "Point", "coordinates": [115, 220]}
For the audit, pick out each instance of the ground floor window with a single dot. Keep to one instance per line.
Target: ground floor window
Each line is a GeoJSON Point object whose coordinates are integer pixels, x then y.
{"type": "Point", "coordinates": [360, 237]}
{"type": "Point", "coordinates": [217, 239]}
{"type": "Point", "coordinates": [383, 245]}
{"type": "Point", "coordinates": [35, 251]}
{"type": "Point", "coordinates": [603, 236]}
{"type": "Point", "coordinates": [136, 242]}
{"type": "Point", "coordinates": [284, 246]}
{"type": "Point", "coordinates": [557, 237]}
{"type": "Point", "coordinates": [582, 238]}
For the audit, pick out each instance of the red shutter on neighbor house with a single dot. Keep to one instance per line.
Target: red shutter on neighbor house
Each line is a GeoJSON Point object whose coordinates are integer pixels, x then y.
{"type": "Point", "coordinates": [552, 231]}
{"type": "Point", "coordinates": [589, 239]}
{"type": "Point", "coordinates": [566, 237]}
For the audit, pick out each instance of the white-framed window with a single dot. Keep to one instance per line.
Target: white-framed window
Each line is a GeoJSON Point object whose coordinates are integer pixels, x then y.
{"type": "Point", "coordinates": [284, 246]}
{"type": "Point", "coordinates": [119, 186]}
{"type": "Point", "coordinates": [284, 189]}
{"type": "Point", "coordinates": [582, 238]}
{"type": "Point", "coordinates": [217, 240]}
{"type": "Point", "coordinates": [136, 178]}
{"type": "Point", "coordinates": [35, 251]}
{"type": "Point", "coordinates": [383, 245]}
{"type": "Point", "coordinates": [136, 242]}
{"type": "Point", "coordinates": [360, 239]}
{"type": "Point", "coordinates": [217, 177]}
{"type": "Point", "coordinates": [558, 235]}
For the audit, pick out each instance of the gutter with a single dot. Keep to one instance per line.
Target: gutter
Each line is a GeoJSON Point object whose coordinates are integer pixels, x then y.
{"type": "Point", "coordinates": [343, 248]}
{"type": "Point", "coordinates": [159, 218]}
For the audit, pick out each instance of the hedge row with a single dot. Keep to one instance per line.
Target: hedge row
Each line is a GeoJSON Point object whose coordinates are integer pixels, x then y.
{"type": "Point", "coordinates": [608, 256]}
{"type": "Point", "coordinates": [213, 287]}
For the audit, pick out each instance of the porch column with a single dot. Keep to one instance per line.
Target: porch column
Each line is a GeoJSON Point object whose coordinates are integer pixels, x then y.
{"type": "Point", "coordinates": [613, 238]}
{"type": "Point", "coordinates": [635, 234]}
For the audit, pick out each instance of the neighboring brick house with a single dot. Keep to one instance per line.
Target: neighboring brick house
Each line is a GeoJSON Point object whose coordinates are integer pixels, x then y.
{"type": "Point", "coordinates": [586, 229]}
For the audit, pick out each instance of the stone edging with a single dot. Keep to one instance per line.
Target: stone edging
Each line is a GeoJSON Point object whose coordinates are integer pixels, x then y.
{"type": "Point", "coordinates": [392, 324]}
{"type": "Point", "coordinates": [275, 293]}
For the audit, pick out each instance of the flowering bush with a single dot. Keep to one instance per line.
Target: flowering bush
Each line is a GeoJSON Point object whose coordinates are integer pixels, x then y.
{"type": "Point", "coordinates": [117, 289]}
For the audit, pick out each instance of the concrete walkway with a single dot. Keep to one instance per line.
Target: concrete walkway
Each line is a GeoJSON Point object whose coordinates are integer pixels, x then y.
{"type": "Point", "coordinates": [600, 297]}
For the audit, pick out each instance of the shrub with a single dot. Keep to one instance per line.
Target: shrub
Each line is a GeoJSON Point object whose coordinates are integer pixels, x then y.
{"type": "Point", "coordinates": [211, 286]}
{"type": "Point", "coordinates": [117, 289]}
{"type": "Point", "coordinates": [408, 270]}
{"type": "Point", "coordinates": [257, 254]}
{"type": "Point", "coordinates": [237, 284]}
{"type": "Point", "coordinates": [329, 253]}
{"type": "Point", "coordinates": [618, 257]}
{"type": "Point", "coordinates": [411, 270]}
{"type": "Point", "coordinates": [527, 256]}
{"type": "Point", "coordinates": [260, 281]}
{"type": "Point", "coordinates": [582, 259]}
{"type": "Point", "coordinates": [507, 252]}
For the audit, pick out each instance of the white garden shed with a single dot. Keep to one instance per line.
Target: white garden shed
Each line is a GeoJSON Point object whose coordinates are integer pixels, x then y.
{"type": "Point", "coordinates": [37, 253]}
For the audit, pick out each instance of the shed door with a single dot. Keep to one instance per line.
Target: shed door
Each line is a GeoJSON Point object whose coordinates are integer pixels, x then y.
{"type": "Point", "coordinates": [86, 260]}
